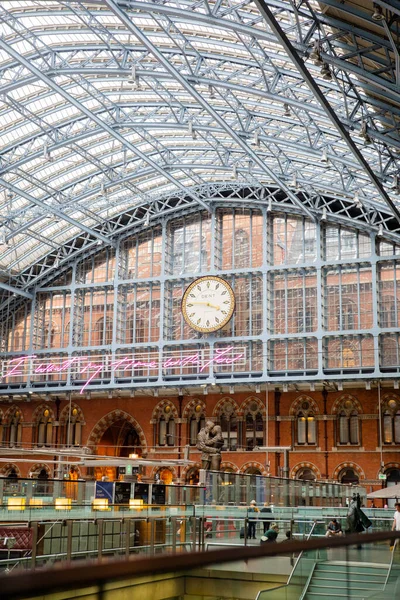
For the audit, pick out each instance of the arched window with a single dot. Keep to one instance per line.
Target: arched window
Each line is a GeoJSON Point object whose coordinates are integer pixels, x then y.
{"type": "Point", "coordinates": [103, 332]}
{"type": "Point", "coordinates": [254, 426]}
{"type": "Point", "coordinates": [348, 475]}
{"type": "Point", "coordinates": [306, 428]}
{"type": "Point", "coordinates": [66, 334]}
{"type": "Point", "coordinates": [391, 422]}
{"type": "Point", "coordinates": [348, 427]}
{"type": "Point", "coordinates": [49, 335]}
{"type": "Point", "coordinates": [44, 429]}
{"type": "Point", "coordinates": [388, 313]}
{"type": "Point", "coordinates": [13, 432]}
{"type": "Point", "coordinates": [165, 427]}
{"type": "Point", "coordinates": [306, 474]}
{"type": "Point", "coordinates": [140, 331]}
{"type": "Point", "coordinates": [346, 316]}
{"type": "Point", "coordinates": [229, 426]}
{"type": "Point", "coordinates": [348, 358]}
{"type": "Point", "coordinates": [72, 435]}
{"type": "Point", "coordinates": [16, 341]}
{"type": "Point", "coordinates": [242, 248]}
{"type": "Point", "coordinates": [389, 351]}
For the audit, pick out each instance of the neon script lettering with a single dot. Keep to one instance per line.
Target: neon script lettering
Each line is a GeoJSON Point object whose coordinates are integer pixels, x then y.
{"type": "Point", "coordinates": [85, 366]}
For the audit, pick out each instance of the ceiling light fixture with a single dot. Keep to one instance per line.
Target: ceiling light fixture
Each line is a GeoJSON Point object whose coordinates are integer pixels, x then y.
{"type": "Point", "coordinates": [257, 138]}
{"type": "Point", "coordinates": [364, 133]}
{"type": "Point", "coordinates": [234, 172]}
{"type": "Point", "coordinates": [286, 110]}
{"type": "Point", "coordinates": [315, 54]}
{"type": "Point", "coordinates": [396, 184]}
{"type": "Point", "coordinates": [211, 91]}
{"type": "Point", "coordinates": [231, 389]}
{"type": "Point", "coordinates": [133, 77]}
{"type": "Point", "coordinates": [324, 157]}
{"type": "Point", "coordinates": [357, 201]}
{"type": "Point", "coordinates": [380, 230]}
{"type": "Point", "coordinates": [377, 15]}
{"type": "Point", "coordinates": [326, 72]}
{"type": "Point", "coordinates": [269, 207]}
{"type": "Point", "coordinates": [324, 214]}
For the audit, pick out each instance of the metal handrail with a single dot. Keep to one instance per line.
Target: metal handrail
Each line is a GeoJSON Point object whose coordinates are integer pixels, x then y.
{"type": "Point", "coordinates": [307, 585]}
{"type": "Point", "coordinates": [297, 560]}
{"type": "Point", "coordinates": [301, 553]}
{"type": "Point", "coordinates": [390, 565]}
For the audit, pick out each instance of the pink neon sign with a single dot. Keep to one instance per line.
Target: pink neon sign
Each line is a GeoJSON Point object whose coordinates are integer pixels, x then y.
{"type": "Point", "coordinates": [84, 365]}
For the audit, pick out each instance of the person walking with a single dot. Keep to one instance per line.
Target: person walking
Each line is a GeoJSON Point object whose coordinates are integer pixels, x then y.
{"type": "Point", "coordinates": [252, 516]}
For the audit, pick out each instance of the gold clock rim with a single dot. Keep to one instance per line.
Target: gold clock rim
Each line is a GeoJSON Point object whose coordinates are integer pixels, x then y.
{"type": "Point", "coordinates": [187, 292]}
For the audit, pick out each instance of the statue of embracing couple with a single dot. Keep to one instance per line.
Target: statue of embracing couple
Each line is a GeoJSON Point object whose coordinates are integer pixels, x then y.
{"type": "Point", "coordinates": [210, 442]}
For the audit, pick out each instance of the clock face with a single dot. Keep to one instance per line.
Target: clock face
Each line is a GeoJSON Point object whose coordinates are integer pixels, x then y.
{"type": "Point", "coordinates": [208, 304]}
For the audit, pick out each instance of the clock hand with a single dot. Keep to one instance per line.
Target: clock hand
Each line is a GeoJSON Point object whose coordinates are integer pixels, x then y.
{"type": "Point", "coordinates": [206, 304]}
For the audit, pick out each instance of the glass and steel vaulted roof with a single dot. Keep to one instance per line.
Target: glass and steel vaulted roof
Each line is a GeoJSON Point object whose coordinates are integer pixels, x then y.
{"type": "Point", "coordinates": [114, 113]}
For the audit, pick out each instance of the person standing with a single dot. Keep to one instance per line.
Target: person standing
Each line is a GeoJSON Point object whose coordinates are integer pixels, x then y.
{"type": "Point", "coordinates": [265, 513]}
{"type": "Point", "coordinates": [252, 516]}
{"type": "Point", "coordinates": [396, 518]}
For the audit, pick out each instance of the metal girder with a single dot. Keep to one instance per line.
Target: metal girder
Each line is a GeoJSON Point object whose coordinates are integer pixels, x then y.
{"type": "Point", "coordinates": [15, 290]}
{"type": "Point", "coordinates": [298, 62]}
{"type": "Point", "coordinates": [55, 211]}
{"type": "Point", "coordinates": [92, 116]}
{"type": "Point", "coordinates": [123, 17]}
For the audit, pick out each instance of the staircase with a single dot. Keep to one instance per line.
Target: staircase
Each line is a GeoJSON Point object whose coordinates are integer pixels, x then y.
{"type": "Point", "coordinates": [336, 579]}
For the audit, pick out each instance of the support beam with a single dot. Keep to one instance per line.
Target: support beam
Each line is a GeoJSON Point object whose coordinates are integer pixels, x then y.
{"type": "Point", "coordinates": [299, 64]}
{"type": "Point", "coordinates": [92, 116]}
{"type": "Point", "coordinates": [55, 211]}
{"type": "Point", "coordinates": [168, 66]}
{"type": "Point", "coordinates": [14, 290]}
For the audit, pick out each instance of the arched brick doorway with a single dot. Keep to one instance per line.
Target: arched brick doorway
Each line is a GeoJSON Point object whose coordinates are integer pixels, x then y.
{"type": "Point", "coordinates": [116, 434]}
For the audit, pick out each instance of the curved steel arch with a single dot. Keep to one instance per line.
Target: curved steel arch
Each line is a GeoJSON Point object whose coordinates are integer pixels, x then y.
{"type": "Point", "coordinates": [227, 110]}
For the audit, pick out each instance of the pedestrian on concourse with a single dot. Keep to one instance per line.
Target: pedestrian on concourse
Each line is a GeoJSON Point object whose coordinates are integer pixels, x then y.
{"type": "Point", "coordinates": [252, 516]}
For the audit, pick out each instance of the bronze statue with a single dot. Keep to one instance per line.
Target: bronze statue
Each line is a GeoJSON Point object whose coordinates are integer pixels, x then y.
{"type": "Point", "coordinates": [357, 520]}
{"type": "Point", "coordinates": [210, 442]}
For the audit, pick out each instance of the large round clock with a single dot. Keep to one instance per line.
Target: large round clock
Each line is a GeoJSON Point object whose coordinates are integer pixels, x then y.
{"type": "Point", "coordinates": [208, 304]}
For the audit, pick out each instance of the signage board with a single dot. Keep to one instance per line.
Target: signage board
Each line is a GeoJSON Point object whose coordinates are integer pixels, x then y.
{"type": "Point", "coordinates": [382, 476]}
{"type": "Point", "coordinates": [122, 492]}
{"type": "Point", "coordinates": [86, 370]}
{"type": "Point", "coordinates": [105, 489]}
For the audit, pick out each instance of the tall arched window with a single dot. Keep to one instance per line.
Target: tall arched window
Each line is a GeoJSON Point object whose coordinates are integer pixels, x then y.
{"type": "Point", "coordinates": [347, 315]}
{"type": "Point", "coordinates": [14, 433]}
{"type": "Point", "coordinates": [253, 425]}
{"type": "Point", "coordinates": [103, 332]}
{"type": "Point", "coordinates": [49, 335]}
{"type": "Point", "coordinates": [229, 426]}
{"type": "Point", "coordinates": [72, 435]}
{"type": "Point", "coordinates": [306, 428]}
{"type": "Point", "coordinates": [44, 429]}
{"type": "Point", "coordinates": [391, 422]}
{"type": "Point", "coordinates": [242, 248]}
{"type": "Point", "coordinates": [165, 427]}
{"type": "Point", "coordinates": [348, 427]}
{"type": "Point", "coordinates": [388, 313]}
